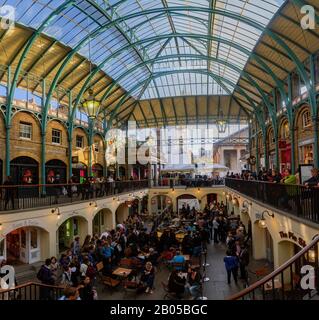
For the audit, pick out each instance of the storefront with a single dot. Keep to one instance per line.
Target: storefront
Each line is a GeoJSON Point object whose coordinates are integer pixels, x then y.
{"type": "Point", "coordinates": [272, 159]}
{"type": "Point", "coordinates": [22, 246]}
{"type": "Point", "coordinates": [97, 170]}
{"type": "Point", "coordinates": [75, 226]}
{"type": "Point", "coordinates": [55, 171]}
{"type": "Point", "coordinates": [103, 221]}
{"type": "Point", "coordinates": [24, 170]}
{"type": "Point", "coordinates": [285, 155]}
{"type": "Point", "coordinates": [305, 151]}
{"type": "Point", "coordinates": [79, 172]}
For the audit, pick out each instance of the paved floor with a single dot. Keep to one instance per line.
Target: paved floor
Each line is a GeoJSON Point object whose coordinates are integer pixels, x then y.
{"type": "Point", "coordinates": [215, 289]}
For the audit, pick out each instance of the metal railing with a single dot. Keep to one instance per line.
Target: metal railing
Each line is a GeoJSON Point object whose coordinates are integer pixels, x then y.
{"type": "Point", "coordinates": [32, 291]}
{"type": "Point", "coordinates": [286, 282]}
{"type": "Point", "coordinates": [297, 200]}
{"type": "Point", "coordinates": [189, 183]}
{"type": "Point", "coordinates": [17, 197]}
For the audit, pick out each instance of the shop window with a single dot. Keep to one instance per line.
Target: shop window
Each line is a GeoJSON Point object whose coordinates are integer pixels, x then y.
{"type": "Point", "coordinates": [96, 146]}
{"type": "Point", "coordinates": [306, 119]}
{"type": "Point", "coordinates": [285, 130]}
{"type": "Point", "coordinates": [34, 238]}
{"type": "Point", "coordinates": [25, 130]}
{"type": "Point", "coordinates": [79, 141]}
{"type": "Point", "coordinates": [56, 136]}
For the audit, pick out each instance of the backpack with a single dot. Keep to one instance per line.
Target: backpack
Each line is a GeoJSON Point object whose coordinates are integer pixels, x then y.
{"type": "Point", "coordinates": [90, 272]}
{"type": "Point", "coordinates": [40, 274]}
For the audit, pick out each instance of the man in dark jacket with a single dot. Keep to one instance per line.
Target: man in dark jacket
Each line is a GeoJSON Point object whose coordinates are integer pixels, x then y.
{"type": "Point", "coordinates": [46, 278]}
{"type": "Point", "coordinates": [314, 180]}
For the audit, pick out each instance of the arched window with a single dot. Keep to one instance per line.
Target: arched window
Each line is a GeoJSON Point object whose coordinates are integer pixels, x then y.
{"type": "Point", "coordinates": [284, 132]}
{"type": "Point", "coordinates": [306, 119]}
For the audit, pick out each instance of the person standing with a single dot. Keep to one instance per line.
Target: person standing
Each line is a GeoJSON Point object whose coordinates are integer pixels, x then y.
{"type": "Point", "coordinates": [231, 265]}
{"type": "Point", "coordinates": [215, 227]}
{"type": "Point", "coordinates": [243, 262]}
{"type": "Point", "coordinates": [8, 193]}
{"type": "Point", "coordinates": [46, 277]}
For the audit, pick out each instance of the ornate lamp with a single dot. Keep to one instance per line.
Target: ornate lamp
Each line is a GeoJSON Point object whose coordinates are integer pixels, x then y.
{"type": "Point", "coordinates": [262, 222]}
{"type": "Point", "coordinates": [91, 105]}
{"type": "Point", "coordinates": [221, 123]}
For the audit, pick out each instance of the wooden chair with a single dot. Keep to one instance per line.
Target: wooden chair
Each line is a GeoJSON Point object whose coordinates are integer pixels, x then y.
{"type": "Point", "coordinates": [168, 295]}
{"type": "Point", "coordinates": [181, 266]}
{"type": "Point", "coordinates": [125, 263]}
{"type": "Point", "coordinates": [130, 286]}
{"type": "Point", "coordinates": [111, 283]}
{"type": "Point", "coordinates": [195, 262]}
{"type": "Point", "coordinates": [99, 268]}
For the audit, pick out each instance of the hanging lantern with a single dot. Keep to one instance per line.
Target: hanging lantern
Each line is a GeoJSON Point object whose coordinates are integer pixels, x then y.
{"type": "Point", "coordinates": [91, 105]}
{"type": "Point", "coordinates": [221, 123]}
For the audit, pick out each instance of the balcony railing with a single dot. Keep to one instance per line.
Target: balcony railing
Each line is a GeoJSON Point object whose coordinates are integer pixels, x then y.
{"type": "Point", "coordinates": [32, 291]}
{"type": "Point", "coordinates": [300, 201]}
{"type": "Point", "coordinates": [286, 282]}
{"type": "Point", "coordinates": [19, 197]}
{"type": "Point", "coordinates": [189, 183]}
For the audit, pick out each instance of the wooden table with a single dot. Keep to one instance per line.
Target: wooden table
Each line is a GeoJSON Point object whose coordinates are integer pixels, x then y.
{"type": "Point", "coordinates": [122, 272]}
{"type": "Point", "coordinates": [268, 285]}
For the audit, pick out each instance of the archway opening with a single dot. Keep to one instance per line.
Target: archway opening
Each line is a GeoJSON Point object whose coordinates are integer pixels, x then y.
{"type": "Point", "coordinates": [122, 213]}
{"type": "Point", "coordinates": [97, 170]}
{"type": "Point", "coordinates": [102, 221]}
{"type": "Point", "coordinates": [79, 172]}
{"type": "Point", "coordinates": [24, 170]}
{"type": "Point", "coordinates": [25, 245]}
{"type": "Point", "coordinates": [159, 203]}
{"type": "Point", "coordinates": [186, 200]}
{"type": "Point", "coordinates": [71, 228]}
{"type": "Point", "coordinates": [55, 171]}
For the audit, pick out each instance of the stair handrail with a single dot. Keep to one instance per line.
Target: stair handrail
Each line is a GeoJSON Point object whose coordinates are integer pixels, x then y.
{"type": "Point", "coordinates": [276, 272]}
{"type": "Point", "coordinates": [30, 283]}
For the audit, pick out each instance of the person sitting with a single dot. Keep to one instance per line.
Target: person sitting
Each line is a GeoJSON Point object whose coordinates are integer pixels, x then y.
{"type": "Point", "coordinates": [176, 284]}
{"type": "Point", "coordinates": [148, 277]}
{"type": "Point", "coordinates": [86, 291]}
{"type": "Point", "coordinates": [195, 281]}
{"type": "Point", "coordinates": [70, 293]}
{"type": "Point", "coordinates": [179, 260]}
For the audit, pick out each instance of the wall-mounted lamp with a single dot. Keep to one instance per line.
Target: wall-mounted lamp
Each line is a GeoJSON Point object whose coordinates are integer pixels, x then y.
{"type": "Point", "coordinates": [198, 190]}
{"type": "Point", "coordinates": [57, 211]}
{"type": "Point", "coordinates": [94, 203]}
{"type": "Point", "coordinates": [224, 193]}
{"type": "Point", "coordinates": [234, 201]}
{"type": "Point", "coordinates": [0, 226]}
{"type": "Point", "coordinates": [246, 204]}
{"type": "Point", "coordinates": [173, 190]}
{"type": "Point", "coordinates": [262, 222]}
{"type": "Point", "coordinates": [118, 200]}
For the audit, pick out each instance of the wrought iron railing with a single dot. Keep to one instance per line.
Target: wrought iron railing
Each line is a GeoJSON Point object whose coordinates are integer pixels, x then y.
{"type": "Point", "coordinates": [32, 291]}
{"type": "Point", "coordinates": [190, 183]}
{"type": "Point", "coordinates": [297, 200]}
{"type": "Point", "coordinates": [287, 282]}
{"type": "Point", "coordinates": [17, 197]}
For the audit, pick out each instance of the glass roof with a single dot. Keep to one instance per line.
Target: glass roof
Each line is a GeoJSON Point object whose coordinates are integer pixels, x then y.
{"type": "Point", "coordinates": [157, 48]}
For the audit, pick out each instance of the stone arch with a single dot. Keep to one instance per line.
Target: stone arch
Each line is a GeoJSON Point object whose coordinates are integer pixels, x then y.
{"type": "Point", "coordinates": [26, 243]}
{"type": "Point", "coordinates": [102, 221]}
{"type": "Point", "coordinates": [121, 213]}
{"type": "Point", "coordinates": [160, 202]}
{"type": "Point", "coordinates": [70, 227]}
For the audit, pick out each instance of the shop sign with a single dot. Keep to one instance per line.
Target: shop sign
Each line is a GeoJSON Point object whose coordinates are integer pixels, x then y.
{"type": "Point", "coordinates": [293, 237]}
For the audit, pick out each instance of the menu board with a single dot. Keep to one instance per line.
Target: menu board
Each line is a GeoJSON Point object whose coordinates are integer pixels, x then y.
{"type": "Point", "coordinates": [305, 172]}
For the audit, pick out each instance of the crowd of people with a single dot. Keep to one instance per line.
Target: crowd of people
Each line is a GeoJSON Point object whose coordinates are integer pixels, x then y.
{"type": "Point", "coordinates": [273, 175]}
{"type": "Point", "coordinates": [146, 250]}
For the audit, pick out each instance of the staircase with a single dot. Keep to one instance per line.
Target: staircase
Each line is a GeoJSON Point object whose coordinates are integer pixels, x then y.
{"type": "Point", "coordinates": [286, 283]}
{"type": "Point", "coordinates": [27, 272]}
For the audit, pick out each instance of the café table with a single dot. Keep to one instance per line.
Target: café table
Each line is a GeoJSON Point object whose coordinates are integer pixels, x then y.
{"type": "Point", "coordinates": [122, 272]}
